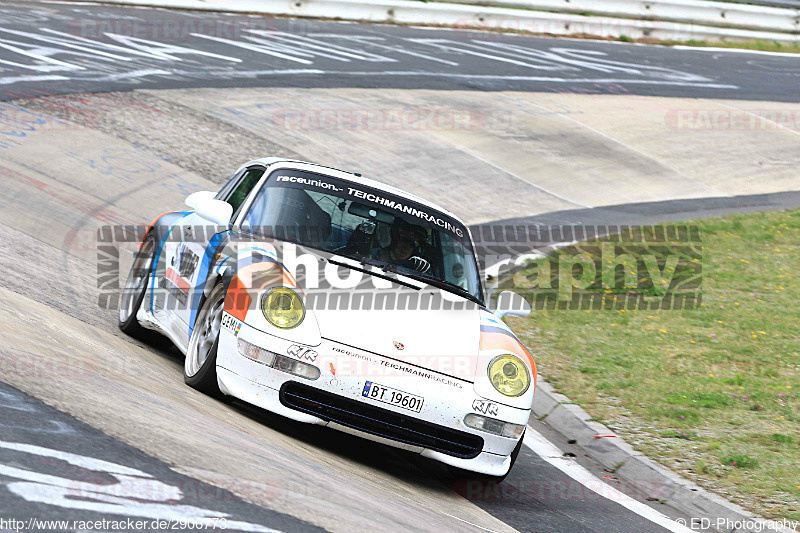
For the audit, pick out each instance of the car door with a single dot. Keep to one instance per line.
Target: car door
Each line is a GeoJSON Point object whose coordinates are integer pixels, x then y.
{"type": "Point", "coordinates": [189, 253]}
{"type": "Point", "coordinates": [197, 256]}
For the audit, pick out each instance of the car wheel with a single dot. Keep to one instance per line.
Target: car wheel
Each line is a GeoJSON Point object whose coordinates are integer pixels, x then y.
{"type": "Point", "coordinates": [135, 288]}
{"type": "Point", "coordinates": [200, 367]}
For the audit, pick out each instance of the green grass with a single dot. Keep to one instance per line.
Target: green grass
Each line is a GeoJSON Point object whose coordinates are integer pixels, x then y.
{"type": "Point", "coordinates": [740, 461]}
{"type": "Point", "coordinates": [712, 392]}
{"type": "Point", "coordinates": [764, 46]}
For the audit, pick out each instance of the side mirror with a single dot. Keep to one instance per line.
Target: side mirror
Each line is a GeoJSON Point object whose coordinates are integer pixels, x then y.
{"type": "Point", "coordinates": [196, 198]}
{"type": "Point", "coordinates": [215, 211]}
{"type": "Point", "coordinates": [511, 304]}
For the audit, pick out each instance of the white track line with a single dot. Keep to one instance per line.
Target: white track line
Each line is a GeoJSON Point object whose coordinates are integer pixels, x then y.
{"type": "Point", "coordinates": [550, 453]}
{"type": "Point", "coordinates": [16, 79]}
{"type": "Point", "coordinates": [134, 74]}
{"type": "Point", "coordinates": [762, 118]}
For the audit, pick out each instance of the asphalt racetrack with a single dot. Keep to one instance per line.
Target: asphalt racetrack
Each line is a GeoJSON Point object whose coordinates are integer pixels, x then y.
{"type": "Point", "coordinates": [112, 115]}
{"type": "Point", "coordinates": [216, 50]}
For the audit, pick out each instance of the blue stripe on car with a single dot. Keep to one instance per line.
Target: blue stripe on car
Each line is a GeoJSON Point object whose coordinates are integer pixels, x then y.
{"type": "Point", "coordinates": [202, 275]}
{"type": "Point", "coordinates": [183, 214]}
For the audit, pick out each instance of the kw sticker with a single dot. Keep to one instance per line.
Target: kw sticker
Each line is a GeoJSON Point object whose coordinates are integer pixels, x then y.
{"type": "Point", "coordinates": [302, 352]}
{"type": "Point", "coordinates": [485, 407]}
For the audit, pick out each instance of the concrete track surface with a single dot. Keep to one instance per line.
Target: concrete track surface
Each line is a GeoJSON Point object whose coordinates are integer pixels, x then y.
{"type": "Point", "coordinates": [74, 157]}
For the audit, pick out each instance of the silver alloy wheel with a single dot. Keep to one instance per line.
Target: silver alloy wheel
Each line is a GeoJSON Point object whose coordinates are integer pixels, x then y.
{"type": "Point", "coordinates": [137, 280]}
{"type": "Point", "coordinates": [205, 332]}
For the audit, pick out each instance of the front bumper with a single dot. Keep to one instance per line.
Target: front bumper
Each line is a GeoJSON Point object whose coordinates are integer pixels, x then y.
{"type": "Point", "coordinates": [335, 399]}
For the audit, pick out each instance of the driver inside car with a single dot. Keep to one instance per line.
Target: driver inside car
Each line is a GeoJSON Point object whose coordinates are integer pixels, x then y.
{"type": "Point", "coordinates": [406, 240]}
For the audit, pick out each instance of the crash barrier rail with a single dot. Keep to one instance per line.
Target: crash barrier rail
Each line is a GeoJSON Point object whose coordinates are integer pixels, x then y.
{"type": "Point", "coordinates": [709, 13]}
{"type": "Point", "coordinates": [792, 4]}
{"type": "Point", "coordinates": [538, 21]}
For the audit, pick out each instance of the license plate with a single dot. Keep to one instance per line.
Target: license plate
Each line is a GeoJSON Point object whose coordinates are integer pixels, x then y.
{"type": "Point", "coordinates": [373, 391]}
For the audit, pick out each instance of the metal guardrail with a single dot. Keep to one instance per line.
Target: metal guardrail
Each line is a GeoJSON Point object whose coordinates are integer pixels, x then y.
{"type": "Point", "coordinates": [788, 4]}
{"type": "Point", "coordinates": [712, 13]}
{"type": "Point", "coordinates": [785, 4]}
{"type": "Point", "coordinates": [762, 23]}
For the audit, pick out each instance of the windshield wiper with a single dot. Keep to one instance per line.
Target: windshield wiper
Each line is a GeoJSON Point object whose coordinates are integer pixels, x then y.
{"type": "Point", "coordinates": [442, 284]}
{"type": "Point", "coordinates": [421, 276]}
{"type": "Point", "coordinates": [383, 265]}
{"type": "Point", "coordinates": [371, 273]}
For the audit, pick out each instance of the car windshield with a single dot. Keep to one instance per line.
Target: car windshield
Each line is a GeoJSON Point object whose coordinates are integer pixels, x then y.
{"type": "Point", "coordinates": [370, 225]}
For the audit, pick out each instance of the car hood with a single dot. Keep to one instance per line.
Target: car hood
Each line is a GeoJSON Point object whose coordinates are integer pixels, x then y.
{"type": "Point", "coordinates": [443, 340]}
{"type": "Point", "coordinates": [404, 319]}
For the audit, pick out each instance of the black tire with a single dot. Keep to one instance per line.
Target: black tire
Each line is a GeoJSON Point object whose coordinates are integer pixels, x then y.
{"type": "Point", "coordinates": [200, 367]}
{"type": "Point", "coordinates": [132, 295]}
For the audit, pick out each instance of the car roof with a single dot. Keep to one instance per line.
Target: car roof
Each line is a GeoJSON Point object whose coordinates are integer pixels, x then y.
{"type": "Point", "coordinates": [349, 176]}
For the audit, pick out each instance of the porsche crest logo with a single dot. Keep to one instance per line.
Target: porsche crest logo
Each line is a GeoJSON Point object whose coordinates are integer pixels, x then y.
{"type": "Point", "coordinates": [399, 345]}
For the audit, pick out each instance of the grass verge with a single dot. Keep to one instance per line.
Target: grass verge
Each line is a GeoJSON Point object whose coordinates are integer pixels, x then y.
{"type": "Point", "coordinates": [764, 46]}
{"type": "Point", "coordinates": [714, 392]}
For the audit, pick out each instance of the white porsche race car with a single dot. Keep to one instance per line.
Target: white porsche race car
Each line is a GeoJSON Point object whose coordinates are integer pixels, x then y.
{"type": "Point", "coordinates": [333, 299]}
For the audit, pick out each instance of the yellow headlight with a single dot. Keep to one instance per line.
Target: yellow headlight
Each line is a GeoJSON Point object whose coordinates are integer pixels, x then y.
{"type": "Point", "coordinates": [509, 375]}
{"type": "Point", "coordinates": [283, 308]}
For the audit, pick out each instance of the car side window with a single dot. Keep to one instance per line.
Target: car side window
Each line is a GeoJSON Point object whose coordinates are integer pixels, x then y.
{"type": "Point", "coordinates": [226, 189]}
{"type": "Point", "coordinates": [242, 189]}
